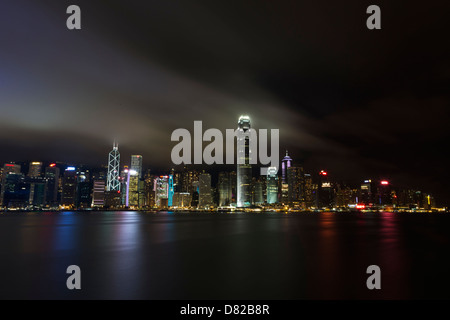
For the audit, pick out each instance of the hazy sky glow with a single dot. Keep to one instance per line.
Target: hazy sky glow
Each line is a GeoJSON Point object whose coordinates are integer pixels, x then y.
{"type": "Point", "coordinates": [360, 103]}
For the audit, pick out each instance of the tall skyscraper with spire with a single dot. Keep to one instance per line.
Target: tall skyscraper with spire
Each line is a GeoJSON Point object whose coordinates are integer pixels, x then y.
{"type": "Point", "coordinates": [244, 170]}
{"type": "Point", "coordinates": [112, 181]}
{"type": "Point", "coordinates": [285, 164]}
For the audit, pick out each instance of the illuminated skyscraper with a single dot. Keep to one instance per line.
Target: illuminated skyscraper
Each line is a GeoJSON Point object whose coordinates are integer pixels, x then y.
{"type": "Point", "coordinates": [257, 192]}
{"type": "Point", "coordinates": [204, 190]}
{"type": "Point", "coordinates": [98, 193]}
{"type": "Point", "coordinates": [136, 164]}
{"type": "Point", "coordinates": [161, 191]}
{"type": "Point", "coordinates": [308, 190]}
{"type": "Point", "coordinates": [8, 169]}
{"type": "Point", "coordinates": [285, 165]}
{"type": "Point", "coordinates": [35, 169]}
{"type": "Point", "coordinates": [224, 189]}
{"type": "Point", "coordinates": [112, 181]}
{"type": "Point", "coordinates": [52, 177]}
{"type": "Point", "coordinates": [272, 185]}
{"type": "Point", "coordinates": [296, 185]}
{"type": "Point", "coordinates": [69, 186]}
{"type": "Point", "coordinates": [244, 170]}
{"type": "Point", "coordinates": [171, 190]}
{"type": "Point", "coordinates": [133, 188]}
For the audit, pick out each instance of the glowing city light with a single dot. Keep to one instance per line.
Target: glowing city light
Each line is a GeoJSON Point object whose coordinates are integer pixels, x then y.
{"type": "Point", "coordinates": [70, 169]}
{"type": "Point", "coordinates": [384, 182]}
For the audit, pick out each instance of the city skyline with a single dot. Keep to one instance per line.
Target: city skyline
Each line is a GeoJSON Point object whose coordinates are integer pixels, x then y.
{"type": "Point", "coordinates": [291, 187]}
{"type": "Point", "coordinates": [344, 99]}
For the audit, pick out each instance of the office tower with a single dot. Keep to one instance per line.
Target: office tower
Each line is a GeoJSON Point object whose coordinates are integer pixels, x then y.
{"type": "Point", "coordinates": [112, 182]}
{"type": "Point", "coordinates": [309, 191]}
{"type": "Point", "coordinates": [233, 182]}
{"type": "Point", "coordinates": [286, 163]}
{"type": "Point", "coordinates": [325, 192]}
{"type": "Point", "coordinates": [136, 164]}
{"type": "Point", "coordinates": [188, 178]}
{"type": "Point", "coordinates": [133, 188]}
{"type": "Point", "coordinates": [123, 185]}
{"type": "Point", "coordinates": [52, 177]}
{"type": "Point", "coordinates": [149, 191]}
{"type": "Point", "coordinates": [162, 191]}
{"type": "Point", "coordinates": [257, 192]}
{"type": "Point", "coordinates": [366, 194]}
{"type": "Point", "coordinates": [244, 170]}
{"type": "Point", "coordinates": [295, 186]}
{"type": "Point", "coordinates": [69, 187]}
{"type": "Point", "coordinates": [204, 191]}
{"type": "Point", "coordinates": [8, 168]}
{"type": "Point", "coordinates": [171, 190]}
{"type": "Point", "coordinates": [177, 181]}
{"type": "Point", "coordinates": [345, 196]}
{"type": "Point", "coordinates": [272, 185]}
{"type": "Point", "coordinates": [384, 193]}
{"type": "Point", "coordinates": [181, 200]}
{"type": "Point", "coordinates": [35, 169]}
{"type": "Point", "coordinates": [195, 195]}
{"type": "Point", "coordinates": [84, 195]}
{"type": "Point", "coordinates": [224, 189]}
{"type": "Point", "coordinates": [98, 193]}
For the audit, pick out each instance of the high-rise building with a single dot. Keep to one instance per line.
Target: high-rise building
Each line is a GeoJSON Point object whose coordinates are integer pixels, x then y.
{"type": "Point", "coordinates": [15, 191]}
{"type": "Point", "coordinates": [98, 193]}
{"type": "Point", "coordinates": [286, 163]}
{"type": "Point", "coordinates": [272, 185]}
{"type": "Point", "coordinates": [325, 192]}
{"type": "Point", "coordinates": [224, 189]}
{"type": "Point", "coordinates": [366, 194]}
{"type": "Point", "coordinates": [35, 169]}
{"type": "Point", "coordinates": [308, 190]}
{"type": "Point", "coordinates": [233, 181]}
{"type": "Point", "coordinates": [9, 184]}
{"type": "Point", "coordinates": [204, 190]}
{"type": "Point", "coordinates": [244, 170]}
{"type": "Point", "coordinates": [162, 191]}
{"type": "Point", "coordinates": [384, 193]}
{"type": "Point", "coordinates": [257, 192]}
{"type": "Point", "coordinates": [69, 186]}
{"type": "Point", "coordinates": [133, 188]}
{"type": "Point", "coordinates": [181, 199]}
{"type": "Point", "coordinates": [112, 181]}
{"type": "Point", "coordinates": [188, 178]}
{"type": "Point", "coordinates": [296, 186]}
{"type": "Point", "coordinates": [52, 177]}
{"type": "Point", "coordinates": [149, 191]}
{"type": "Point", "coordinates": [136, 164]}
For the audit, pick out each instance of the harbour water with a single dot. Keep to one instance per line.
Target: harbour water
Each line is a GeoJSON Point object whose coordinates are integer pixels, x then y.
{"type": "Point", "coordinates": [139, 255]}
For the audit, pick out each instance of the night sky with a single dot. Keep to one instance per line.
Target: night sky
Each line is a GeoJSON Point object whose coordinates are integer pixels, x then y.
{"type": "Point", "coordinates": [359, 103]}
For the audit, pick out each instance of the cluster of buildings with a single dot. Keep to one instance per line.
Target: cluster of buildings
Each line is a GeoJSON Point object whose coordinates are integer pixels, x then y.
{"type": "Point", "coordinates": [58, 186]}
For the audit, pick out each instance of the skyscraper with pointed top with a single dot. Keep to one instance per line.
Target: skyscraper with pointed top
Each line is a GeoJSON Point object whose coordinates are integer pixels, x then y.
{"type": "Point", "coordinates": [244, 169]}
{"type": "Point", "coordinates": [285, 164]}
{"type": "Point", "coordinates": [112, 181]}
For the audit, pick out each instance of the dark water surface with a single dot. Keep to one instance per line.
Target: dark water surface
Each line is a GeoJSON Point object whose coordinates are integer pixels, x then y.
{"type": "Point", "coordinates": [131, 255]}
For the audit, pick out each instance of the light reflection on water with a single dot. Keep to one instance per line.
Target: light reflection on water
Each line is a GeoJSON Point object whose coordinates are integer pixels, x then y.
{"type": "Point", "coordinates": [128, 254]}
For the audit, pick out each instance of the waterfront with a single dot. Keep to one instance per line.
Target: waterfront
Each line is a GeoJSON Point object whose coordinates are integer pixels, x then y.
{"type": "Point", "coordinates": [137, 255]}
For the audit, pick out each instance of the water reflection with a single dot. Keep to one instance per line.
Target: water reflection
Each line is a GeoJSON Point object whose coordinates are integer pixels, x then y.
{"type": "Point", "coordinates": [127, 255]}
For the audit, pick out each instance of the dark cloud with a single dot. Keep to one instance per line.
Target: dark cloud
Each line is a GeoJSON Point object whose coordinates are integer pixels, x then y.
{"type": "Point", "coordinates": [357, 102]}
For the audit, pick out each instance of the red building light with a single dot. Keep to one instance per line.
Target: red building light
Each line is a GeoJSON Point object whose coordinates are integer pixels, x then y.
{"type": "Point", "coordinates": [323, 173]}
{"type": "Point", "coordinates": [384, 183]}
{"type": "Point", "coordinates": [52, 165]}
